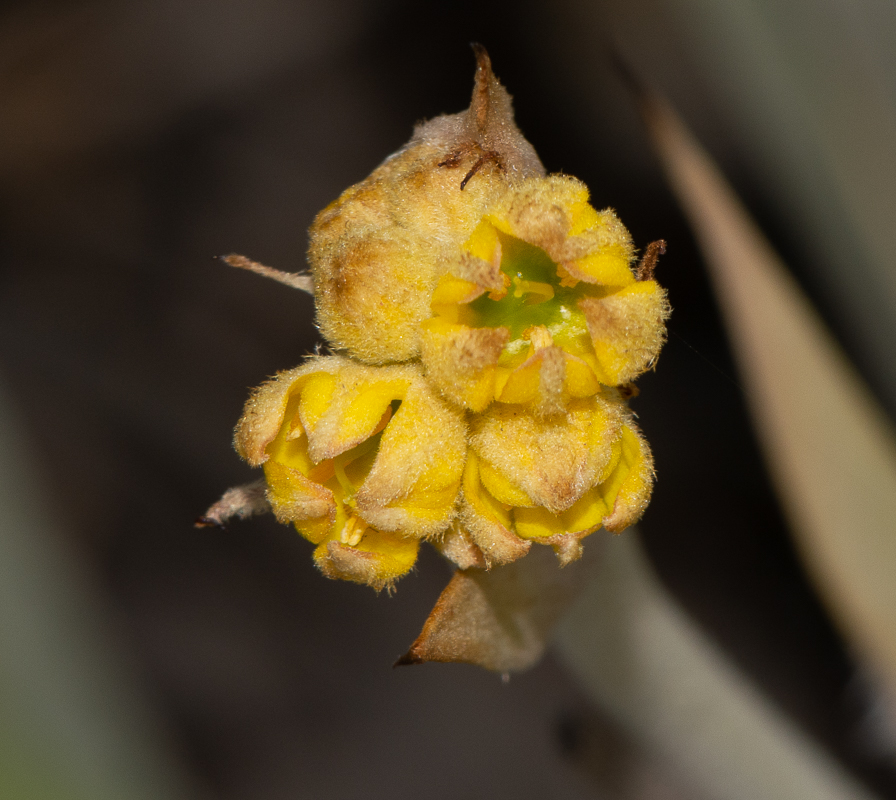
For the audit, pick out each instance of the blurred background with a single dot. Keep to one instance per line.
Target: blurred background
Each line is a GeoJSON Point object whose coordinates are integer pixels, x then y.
{"type": "Point", "coordinates": [138, 139]}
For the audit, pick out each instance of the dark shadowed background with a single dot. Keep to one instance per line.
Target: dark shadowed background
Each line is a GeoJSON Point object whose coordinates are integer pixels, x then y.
{"type": "Point", "coordinates": [140, 138]}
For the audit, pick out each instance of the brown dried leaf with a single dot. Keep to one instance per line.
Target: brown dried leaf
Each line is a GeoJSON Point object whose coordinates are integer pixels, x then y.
{"type": "Point", "coordinates": [501, 619]}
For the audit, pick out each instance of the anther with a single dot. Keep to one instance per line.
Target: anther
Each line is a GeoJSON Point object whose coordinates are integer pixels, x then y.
{"type": "Point", "coordinates": [353, 531]}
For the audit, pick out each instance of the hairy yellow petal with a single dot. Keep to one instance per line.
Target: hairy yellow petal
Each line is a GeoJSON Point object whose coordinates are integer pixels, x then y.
{"type": "Point", "coordinates": [500, 488]}
{"type": "Point", "coordinates": [378, 560]}
{"type": "Point", "coordinates": [627, 490]}
{"type": "Point", "coordinates": [316, 398]}
{"type": "Point", "coordinates": [628, 329]}
{"type": "Point", "coordinates": [462, 362]}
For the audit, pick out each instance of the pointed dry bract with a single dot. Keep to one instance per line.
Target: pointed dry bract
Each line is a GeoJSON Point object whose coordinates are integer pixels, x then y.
{"type": "Point", "coordinates": [500, 619]}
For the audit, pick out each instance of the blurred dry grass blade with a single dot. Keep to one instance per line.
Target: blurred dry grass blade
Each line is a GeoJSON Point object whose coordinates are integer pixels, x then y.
{"type": "Point", "coordinates": [648, 666]}
{"type": "Point", "coordinates": [501, 619]}
{"type": "Point", "coordinates": [831, 449]}
{"type": "Point", "coordinates": [74, 720]}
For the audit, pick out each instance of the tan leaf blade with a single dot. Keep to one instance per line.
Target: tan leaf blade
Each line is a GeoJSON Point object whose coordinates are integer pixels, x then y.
{"type": "Point", "coordinates": [501, 619]}
{"type": "Point", "coordinates": [653, 670]}
{"type": "Point", "coordinates": [830, 447]}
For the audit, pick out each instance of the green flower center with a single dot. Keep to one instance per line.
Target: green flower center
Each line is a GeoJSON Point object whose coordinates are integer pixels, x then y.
{"type": "Point", "coordinates": [535, 297]}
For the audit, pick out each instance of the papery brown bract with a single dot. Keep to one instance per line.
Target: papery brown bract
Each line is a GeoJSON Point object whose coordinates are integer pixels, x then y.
{"type": "Point", "coordinates": [499, 619]}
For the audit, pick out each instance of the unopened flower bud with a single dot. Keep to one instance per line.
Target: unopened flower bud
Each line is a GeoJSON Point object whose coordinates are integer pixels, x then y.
{"type": "Point", "coordinates": [364, 461]}
{"type": "Point", "coordinates": [377, 252]}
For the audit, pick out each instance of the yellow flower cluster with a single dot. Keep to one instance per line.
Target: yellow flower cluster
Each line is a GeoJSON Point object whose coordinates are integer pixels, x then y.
{"type": "Point", "coordinates": [489, 323]}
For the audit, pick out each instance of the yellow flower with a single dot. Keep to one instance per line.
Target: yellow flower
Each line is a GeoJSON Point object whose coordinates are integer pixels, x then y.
{"type": "Point", "coordinates": [364, 461]}
{"type": "Point", "coordinates": [490, 322]}
{"type": "Point", "coordinates": [377, 251]}
{"type": "Point", "coordinates": [540, 305]}
{"type": "Point", "coordinates": [553, 480]}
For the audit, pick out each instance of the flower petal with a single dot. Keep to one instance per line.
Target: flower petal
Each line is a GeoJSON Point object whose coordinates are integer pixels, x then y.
{"type": "Point", "coordinates": [378, 561]}
{"type": "Point", "coordinates": [627, 329]}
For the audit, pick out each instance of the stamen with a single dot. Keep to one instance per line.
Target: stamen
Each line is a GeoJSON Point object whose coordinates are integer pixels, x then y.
{"type": "Point", "coordinates": [353, 531]}
{"type": "Point", "coordinates": [566, 280]}
{"type": "Point", "coordinates": [295, 430]}
{"type": "Point", "coordinates": [541, 291]}
{"type": "Point", "coordinates": [344, 459]}
{"type": "Point", "coordinates": [539, 336]}
{"type": "Point", "coordinates": [339, 469]}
